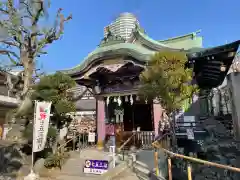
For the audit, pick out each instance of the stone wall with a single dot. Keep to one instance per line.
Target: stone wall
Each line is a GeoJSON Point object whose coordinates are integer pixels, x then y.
{"type": "Point", "coordinates": [234, 85]}
{"type": "Point", "coordinates": [11, 160]}
{"type": "Point", "coordinates": [219, 147]}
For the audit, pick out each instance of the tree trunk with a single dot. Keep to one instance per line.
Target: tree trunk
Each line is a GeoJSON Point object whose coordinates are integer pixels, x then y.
{"type": "Point", "coordinates": [26, 103]}
{"type": "Point", "coordinates": [28, 65]}
{"type": "Point", "coordinates": [56, 143]}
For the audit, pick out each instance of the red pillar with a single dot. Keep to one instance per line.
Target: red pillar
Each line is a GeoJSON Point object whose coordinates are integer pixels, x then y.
{"type": "Point", "coordinates": [100, 122]}
{"type": "Point", "coordinates": [157, 115]}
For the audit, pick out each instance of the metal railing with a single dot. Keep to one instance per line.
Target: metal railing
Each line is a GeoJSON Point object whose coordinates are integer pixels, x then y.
{"type": "Point", "coordinates": [137, 140]}
{"type": "Point", "coordinates": [146, 139]}
{"type": "Point", "coordinates": [163, 143]}
{"type": "Point", "coordinates": [122, 148]}
{"type": "Point", "coordinates": [126, 142]}
{"type": "Point", "coordinates": [80, 139]}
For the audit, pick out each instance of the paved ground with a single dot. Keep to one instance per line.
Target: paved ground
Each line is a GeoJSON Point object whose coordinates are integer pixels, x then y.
{"type": "Point", "coordinates": [73, 169]}
{"type": "Point", "coordinates": [147, 157]}
{"type": "Point", "coordinates": [126, 175]}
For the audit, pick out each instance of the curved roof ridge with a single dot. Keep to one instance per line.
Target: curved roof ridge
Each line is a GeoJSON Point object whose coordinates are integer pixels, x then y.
{"type": "Point", "coordinates": [151, 39]}
{"type": "Point", "coordinates": [133, 48]}
{"type": "Point", "coordinates": [148, 41]}
{"type": "Point", "coordinates": [193, 34]}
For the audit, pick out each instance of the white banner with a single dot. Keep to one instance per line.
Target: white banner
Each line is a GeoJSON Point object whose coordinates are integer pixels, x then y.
{"type": "Point", "coordinates": [91, 137]}
{"type": "Point", "coordinates": [41, 124]}
{"type": "Point", "coordinates": [190, 134]}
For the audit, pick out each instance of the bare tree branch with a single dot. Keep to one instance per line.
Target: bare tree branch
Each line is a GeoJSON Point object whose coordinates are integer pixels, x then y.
{"type": "Point", "coordinates": [36, 18]}
{"type": "Point", "coordinates": [3, 11]}
{"type": "Point", "coordinates": [9, 43]}
{"type": "Point", "coordinates": [8, 52]}
{"type": "Point", "coordinates": [53, 34]}
{"type": "Point", "coordinates": [27, 8]}
{"type": "Point", "coordinates": [23, 42]}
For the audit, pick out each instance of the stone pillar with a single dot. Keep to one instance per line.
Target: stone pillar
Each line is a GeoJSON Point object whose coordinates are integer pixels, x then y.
{"type": "Point", "coordinates": [157, 115]}
{"type": "Point", "coordinates": [234, 89]}
{"type": "Point", "coordinates": [100, 122]}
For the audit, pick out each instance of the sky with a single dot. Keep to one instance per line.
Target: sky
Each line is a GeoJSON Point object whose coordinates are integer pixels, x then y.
{"type": "Point", "coordinates": [218, 20]}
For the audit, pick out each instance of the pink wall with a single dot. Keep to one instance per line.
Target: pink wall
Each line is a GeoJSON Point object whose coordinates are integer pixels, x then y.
{"type": "Point", "coordinates": [101, 119]}
{"type": "Point", "coordinates": [157, 116]}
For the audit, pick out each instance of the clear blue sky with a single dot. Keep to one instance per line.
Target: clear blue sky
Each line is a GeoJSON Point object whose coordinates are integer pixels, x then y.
{"type": "Point", "coordinates": [219, 21]}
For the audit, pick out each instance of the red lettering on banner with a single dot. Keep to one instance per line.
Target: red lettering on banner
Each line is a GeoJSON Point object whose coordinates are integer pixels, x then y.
{"type": "Point", "coordinates": [43, 114]}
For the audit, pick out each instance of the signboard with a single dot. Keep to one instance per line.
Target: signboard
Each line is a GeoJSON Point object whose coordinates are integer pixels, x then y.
{"type": "Point", "coordinates": [112, 153]}
{"type": "Point", "coordinates": [91, 137]}
{"type": "Point", "coordinates": [189, 121]}
{"type": "Point", "coordinates": [190, 134]}
{"type": "Point", "coordinates": [112, 149]}
{"type": "Point", "coordinates": [120, 88]}
{"type": "Point", "coordinates": [95, 166]}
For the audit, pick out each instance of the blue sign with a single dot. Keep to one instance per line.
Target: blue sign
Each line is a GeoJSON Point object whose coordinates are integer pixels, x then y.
{"type": "Point", "coordinates": [96, 166]}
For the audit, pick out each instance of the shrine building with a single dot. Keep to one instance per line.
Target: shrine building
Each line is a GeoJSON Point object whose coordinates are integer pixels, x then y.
{"type": "Point", "coordinates": [112, 72]}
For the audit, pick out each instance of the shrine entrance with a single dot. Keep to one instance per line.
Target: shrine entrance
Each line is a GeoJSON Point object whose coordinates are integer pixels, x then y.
{"type": "Point", "coordinates": [131, 115]}
{"type": "Point", "coordinates": [136, 116]}
{"type": "Point", "coordinates": [128, 114]}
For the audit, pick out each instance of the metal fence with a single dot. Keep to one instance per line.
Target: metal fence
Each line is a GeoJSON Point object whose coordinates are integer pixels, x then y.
{"type": "Point", "coordinates": [79, 141]}
{"type": "Point", "coordinates": [146, 138]}
{"type": "Point", "coordinates": [141, 139]}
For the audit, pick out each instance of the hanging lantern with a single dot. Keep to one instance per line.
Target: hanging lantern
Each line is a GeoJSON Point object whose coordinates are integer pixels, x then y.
{"type": "Point", "coordinates": [119, 101]}
{"type": "Point", "coordinates": [131, 100]}
{"type": "Point", "coordinates": [117, 118]}
{"type": "Point", "coordinates": [121, 117]}
{"type": "Point", "coordinates": [137, 98]}
{"type": "Point", "coordinates": [146, 101]}
{"type": "Point", "coordinates": [108, 100]}
{"type": "Point", "coordinates": [126, 98]}
{"type": "Point", "coordinates": [97, 89]}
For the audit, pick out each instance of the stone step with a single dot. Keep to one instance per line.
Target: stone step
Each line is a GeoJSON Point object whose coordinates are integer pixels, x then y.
{"type": "Point", "coordinates": [142, 178]}
{"type": "Point", "coordinates": [142, 164]}
{"type": "Point", "coordinates": [141, 172]}
{"type": "Point", "coordinates": [126, 157]}
{"type": "Point", "coordinates": [127, 174]}
{"type": "Point", "coordinates": [122, 157]}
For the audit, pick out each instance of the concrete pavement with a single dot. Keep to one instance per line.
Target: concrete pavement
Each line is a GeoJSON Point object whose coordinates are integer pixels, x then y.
{"type": "Point", "coordinates": [73, 168]}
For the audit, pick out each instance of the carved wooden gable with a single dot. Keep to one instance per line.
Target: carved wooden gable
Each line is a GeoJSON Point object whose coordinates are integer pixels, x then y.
{"type": "Point", "coordinates": [88, 94]}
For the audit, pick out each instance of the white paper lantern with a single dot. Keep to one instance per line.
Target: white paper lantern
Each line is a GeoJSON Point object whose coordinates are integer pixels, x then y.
{"type": "Point", "coordinates": [119, 101]}
{"type": "Point", "coordinates": [131, 100]}
{"type": "Point", "coordinates": [108, 99]}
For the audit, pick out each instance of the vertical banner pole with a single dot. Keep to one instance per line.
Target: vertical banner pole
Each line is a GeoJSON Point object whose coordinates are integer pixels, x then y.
{"type": "Point", "coordinates": [40, 128]}
{"type": "Point", "coordinates": [33, 123]}
{"type": "Point", "coordinates": [32, 175]}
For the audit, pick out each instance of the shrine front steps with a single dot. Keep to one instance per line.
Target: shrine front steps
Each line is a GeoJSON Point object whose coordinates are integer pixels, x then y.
{"type": "Point", "coordinates": [140, 169]}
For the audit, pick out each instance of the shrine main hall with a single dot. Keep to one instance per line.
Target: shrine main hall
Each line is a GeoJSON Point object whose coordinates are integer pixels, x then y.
{"type": "Point", "coordinates": [112, 70]}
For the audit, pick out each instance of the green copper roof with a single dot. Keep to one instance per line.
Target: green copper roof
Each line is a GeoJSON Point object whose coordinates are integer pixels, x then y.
{"type": "Point", "coordinates": [185, 36]}
{"type": "Point", "coordinates": [110, 45]}
{"type": "Point", "coordinates": [137, 51]}
{"type": "Point", "coordinates": [188, 41]}
{"type": "Point", "coordinates": [150, 40]}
